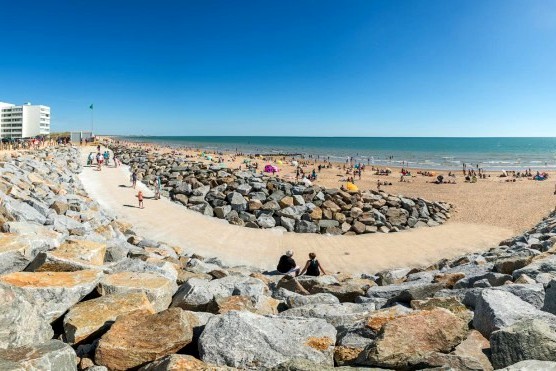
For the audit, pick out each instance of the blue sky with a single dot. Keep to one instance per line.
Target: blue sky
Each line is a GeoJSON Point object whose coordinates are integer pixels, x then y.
{"type": "Point", "coordinates": [308, 68]}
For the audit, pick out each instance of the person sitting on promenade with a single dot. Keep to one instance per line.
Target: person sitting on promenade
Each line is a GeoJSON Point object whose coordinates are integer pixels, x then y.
{"type": "Point", "coordinates": [312, 267]}
{"type": "Point", "coordinates": [287, 265]}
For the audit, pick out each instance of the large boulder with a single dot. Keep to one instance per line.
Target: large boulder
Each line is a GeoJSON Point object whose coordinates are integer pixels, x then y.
{"type": "Point", "coordinates": [538, 266]}
{"type": "Point", "coordinates": [247, 340]}
{"type": "Point", "coordinates": [237, 201]}
{"type": "Point", "coordinates": [264, 305]}
{"type": "Point", "coordinates": [525, 339]}
{"type": "Point", "coordinates": [344, 291]}
{"type": "Point", "coordinates": [50, 355]}
{"type": "Point", "coordinates": [291, 284]}
{"type": "Point", "coordinates": [297, 300]}
{"type": "Point", "coordinates": [21, 322]}
{"type": "Point", "coordinates": [23, 212]}
{"type": "Point", "coordinates": [531, 365]}
{"type": "Point", "coordinates": [19, 248]}
{"type": "Point", "coordinates": [158, 267]}
{"type": "Point", "coordinates": [72, 255]}
{"type": "Point", "coordinates": [308, 282]}
{"type": "Point", "coordinates": [158, 289]}
{"type": "Point", "coordinates": [404, 341]}
{"type": "Point", "coordinates": [180, 362]}
{"type": "Point", "coordinates": [532, 293]}
{"type": "Point", "coordinates": [199, 295]}
{"type": "Point", "coordinates": [353, 338]}
{"type": "Point", "coordinates": [91, 317]}
{"type": "Point", "coordinates": [496, 309]}
{"type": "Point", "coordinates": [509, 264]}
{"type": "Point", "coordinates": [549, 304]}
{"type": "Point", "coordinates": [14, 256]}
{"type": "Point", "coordinates": [335, 314]}
{"type": "Point", "coordinates": [141, 337]}
{"type": "Point", "coordinates": [475, 347]}
{"type": "Point", "coordinates": [300, 364]}
{"type": "Point", "coordinates": [53, 293]}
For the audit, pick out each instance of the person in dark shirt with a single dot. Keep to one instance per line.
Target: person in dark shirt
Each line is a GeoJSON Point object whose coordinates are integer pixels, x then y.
{"type": "Point", "coordinates": [287, 265]}
{"type": "Point", "coordinates": [313, 267]}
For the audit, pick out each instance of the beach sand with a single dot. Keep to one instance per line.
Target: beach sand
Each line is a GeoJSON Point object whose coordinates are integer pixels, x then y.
{"type": "Point", "coordinates": [516, 206]}
{"type": "Point", "coordinates": [176, 225]}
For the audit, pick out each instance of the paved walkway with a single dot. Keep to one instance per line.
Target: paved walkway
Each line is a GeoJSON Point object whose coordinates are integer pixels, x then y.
{"type": "Point", "coordinates": [166, 221]}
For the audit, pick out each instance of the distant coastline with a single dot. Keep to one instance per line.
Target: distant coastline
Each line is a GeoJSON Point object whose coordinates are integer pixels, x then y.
{"type": "Point", "coordinates": [492, 154]}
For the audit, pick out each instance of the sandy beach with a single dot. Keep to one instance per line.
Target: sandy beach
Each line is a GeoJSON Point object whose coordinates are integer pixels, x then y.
{"type": "Point", "coordinates": [176, 225]}
{"type": "Point", "coordinates": [493, 201]}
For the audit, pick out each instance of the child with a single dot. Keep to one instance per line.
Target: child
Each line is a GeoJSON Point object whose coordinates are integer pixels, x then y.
{"type": "Point", "coordinates": [140, 198]}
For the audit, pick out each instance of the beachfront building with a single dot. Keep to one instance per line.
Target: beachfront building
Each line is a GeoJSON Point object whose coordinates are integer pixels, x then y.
{"type": "Point", "coordinates": [25, 121]}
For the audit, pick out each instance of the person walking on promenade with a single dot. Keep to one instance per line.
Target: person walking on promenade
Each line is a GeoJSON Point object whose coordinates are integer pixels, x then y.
{"type": "Point", "coordinates": [287, 265]}
{"type": "Point", "coordinates": [312, 267]}
{"type": "Point", "coordinates": [140, 199]}
{"type": "Point", "coordinates": [134, 179]}
{"type": "Point", "coordinates": [99, 162]}
{"type": "Point", "coordinates": [158, 186]}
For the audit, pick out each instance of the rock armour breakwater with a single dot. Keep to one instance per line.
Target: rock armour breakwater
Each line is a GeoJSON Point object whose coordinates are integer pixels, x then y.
{"type": "Point", "coordinates": [250, 199]}
{"type": "Point", "coordinates": [79, 287]}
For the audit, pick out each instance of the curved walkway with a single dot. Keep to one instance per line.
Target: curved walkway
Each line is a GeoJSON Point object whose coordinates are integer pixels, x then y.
{"type": "Point", "coordinates": [166, 221]}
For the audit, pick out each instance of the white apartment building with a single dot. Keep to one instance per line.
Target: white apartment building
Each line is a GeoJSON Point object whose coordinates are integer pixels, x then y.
{"type": "Point", "coordinates": [24, 121]}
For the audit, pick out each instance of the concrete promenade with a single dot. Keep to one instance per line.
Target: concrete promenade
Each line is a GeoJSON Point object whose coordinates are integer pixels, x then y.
{"type": "Point", "coordinates": [174, 224]}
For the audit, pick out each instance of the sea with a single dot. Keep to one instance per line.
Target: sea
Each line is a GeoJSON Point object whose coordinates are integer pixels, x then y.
{"type": "Point", "coordinates": [416, 152]}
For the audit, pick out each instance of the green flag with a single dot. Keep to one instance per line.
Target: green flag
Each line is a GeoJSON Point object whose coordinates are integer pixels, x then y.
{"type": "Point", "coordinates": [91, 106]}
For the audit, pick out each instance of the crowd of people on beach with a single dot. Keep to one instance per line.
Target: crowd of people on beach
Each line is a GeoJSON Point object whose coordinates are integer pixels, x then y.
{"type": "Point", "coordinates": [307, 168]}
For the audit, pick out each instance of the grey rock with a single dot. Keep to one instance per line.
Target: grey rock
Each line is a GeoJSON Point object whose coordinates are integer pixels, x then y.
{"type": "Point", "coordinates": [531, 365]}
{"type": "Point", "coordinates": [530, 293]}
{"type": "Point", "coordinates": [304, 226]}
{"type": "Point", "coordinates": [222, 211]}
{"type": "Point", "coordinates": [287, 223]}
{"type": "Point", "coordinates": [266, 221]}
{"type": "Point", "coordinates": [390, 292]}
{"type": "Point", "coordinates": [308, 282]}
{"type": "Point", "coordinates": [550, 298]}
{"type": "Point", "coordinates": [117, 250]}
{"type": "Point", "coordinates": [52, 293]}
{"type": "Point", "coordinates": [237, 201]}
{"type": "Point", "coordinates": [335, 314]}
{"type": "Point", "coordinates": [164, 269]}
{"type": "Point", "coordinates": [199, 295]}
{"type": "Point", "coordinates": [229, 339]}
{"type": "Point", "coordinates": [296, 300]}
{"type": "Point", "coordinates": [494, 279]}
{"type": "Point", "coordinates": [21, 323]}
{"type": "Point", "coordinates": [545, 265]}
{"type": "Point", "coordinates": [24, 212]}
{"type": "Point", "coordinates": [159, 289]}
{"type": "Point", "coordinates": [526, 339]}
{"type": "Point", "coordinates": [496, 309]}
{"type": "Point", "coordinates": [299, 364]}
{"type": "Point", "coordinates": [50, 355]}
{"type": "Point", "coordinates": [203, 208]}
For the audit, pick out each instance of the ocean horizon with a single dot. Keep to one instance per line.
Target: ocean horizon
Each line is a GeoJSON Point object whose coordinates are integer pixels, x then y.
{"type": "Point", "coordinates": [449, 153]}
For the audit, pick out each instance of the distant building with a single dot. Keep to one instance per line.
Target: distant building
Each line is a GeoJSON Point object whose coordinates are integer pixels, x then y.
{"type": "Point", "coordinates": [78, 136]}
{"type": "Point", "coordinates": [24, 121]}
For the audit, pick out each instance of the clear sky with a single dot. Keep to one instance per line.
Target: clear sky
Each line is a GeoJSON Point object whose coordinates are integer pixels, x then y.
{"type": "Point", "coordinates": [299, 67]}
